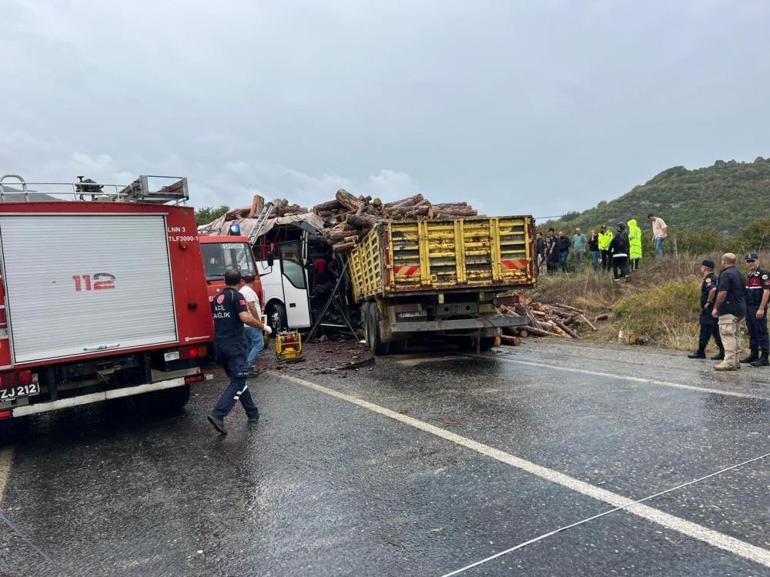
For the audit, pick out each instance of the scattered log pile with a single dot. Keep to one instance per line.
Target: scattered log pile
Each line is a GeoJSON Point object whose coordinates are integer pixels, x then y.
{"type": "Point", "coordinates": [545, 320]}
{"type": "Point", "coordinates": [350, 217]}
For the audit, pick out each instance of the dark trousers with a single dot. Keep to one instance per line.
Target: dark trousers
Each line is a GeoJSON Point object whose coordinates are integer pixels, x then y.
{"type": "Point", "coordinates": [606, 260]}
{"type": "Point", "coordinates": [552, 265]}
{"type": "Point", "coordinates": [619, 266]}
{"type": "Point", "coordinates": [758, 339]}
{"type": "Point", "coordinates": [709, 327]}
{"type": "Point", "coordinates": [596, 259]}
{"type": "Point", "coordinates": [635, 263]}
{"type": "Point", "coordinates": [232, 357]}
{"type": "Point", "coordinates": [563, 256]}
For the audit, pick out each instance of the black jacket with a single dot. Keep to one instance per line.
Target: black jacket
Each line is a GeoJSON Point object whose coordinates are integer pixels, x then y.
{"type": "Point", "coordinates": [619, 244]}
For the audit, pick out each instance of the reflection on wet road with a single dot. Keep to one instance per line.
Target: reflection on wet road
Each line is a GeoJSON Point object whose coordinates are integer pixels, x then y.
{"type": "Point", "coordinates": [421, 465]}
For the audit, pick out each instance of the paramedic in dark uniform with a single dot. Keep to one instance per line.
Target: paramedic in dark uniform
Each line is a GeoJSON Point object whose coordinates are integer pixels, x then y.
{"type": "Point", "coordinates": [757, 294]}
{"type": "Point", "coordinates": [230, 313]}
{"type": "Point", "coordinates": [708, 324]}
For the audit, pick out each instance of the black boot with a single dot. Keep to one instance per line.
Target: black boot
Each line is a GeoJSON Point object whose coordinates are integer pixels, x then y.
{"type": "Point", "coordinates": [752, 357]}
{"type": "Point", "coordinates": [720, 356]}
{"type": "Point", "coordinates": [762, 361]}
{"type": "Point", "coordinates": [697, 355]}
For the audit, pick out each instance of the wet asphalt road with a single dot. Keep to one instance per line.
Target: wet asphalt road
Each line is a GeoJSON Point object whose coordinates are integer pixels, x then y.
{"type": "Point", "coordinates": [324, 487]}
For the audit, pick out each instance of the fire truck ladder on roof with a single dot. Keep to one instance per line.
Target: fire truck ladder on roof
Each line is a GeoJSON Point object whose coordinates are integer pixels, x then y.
{"type": "Point", "coordinates": [262, 217]}
{"type": "Point", "coordinates": [146, 188]}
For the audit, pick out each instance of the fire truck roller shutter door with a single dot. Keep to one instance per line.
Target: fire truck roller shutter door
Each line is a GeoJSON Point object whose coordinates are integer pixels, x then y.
{"type": "Point", "coordinates": [81, 284]}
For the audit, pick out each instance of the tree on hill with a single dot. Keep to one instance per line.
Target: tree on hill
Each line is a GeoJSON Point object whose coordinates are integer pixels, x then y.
{"type": "Point", "coordinates": [206, 214]}
{"type": "Point", "coordinates": [724, 197]}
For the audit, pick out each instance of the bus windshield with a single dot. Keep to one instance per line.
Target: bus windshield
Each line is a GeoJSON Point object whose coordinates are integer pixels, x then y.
{"type": "Point", "coordinates": [217, 257]}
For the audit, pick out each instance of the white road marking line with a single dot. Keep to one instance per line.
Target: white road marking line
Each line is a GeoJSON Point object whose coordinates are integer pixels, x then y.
{"type": "Point", "coordinates": [688, 528]}
{"type": "Point", "coordinates": [622, 377]}
{"type": "Point", "coordinates": [6, 458]}
{"type": "Point", "coordinates": [594, 517]}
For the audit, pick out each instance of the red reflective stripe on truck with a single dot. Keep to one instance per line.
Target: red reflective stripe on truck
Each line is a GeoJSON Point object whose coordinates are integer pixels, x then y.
{"type": "Point", "coordinates": [514, 264]}
{"type": "Point", "coordinates": [406, 270]}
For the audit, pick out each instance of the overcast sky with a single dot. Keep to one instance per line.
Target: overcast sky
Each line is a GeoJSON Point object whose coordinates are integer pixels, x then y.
{"type": "Point", "coordinates": [540, 107]}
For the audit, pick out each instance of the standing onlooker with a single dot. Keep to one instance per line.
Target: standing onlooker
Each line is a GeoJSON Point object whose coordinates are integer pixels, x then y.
{"type": "Point", "coordinates": [757, 295]}
{"type": "Point", "coordinates": [593, 249]}
{"type": "Point", "coordinates": [254, 340]}
{"type": "Point", "coordinates": [659, 233]}
{"type": "Point", "coordinates": [605, 239]}
{"type": "Point", "coordinates": [564, 244]}
{"type": "Point", "coordinates": [579, 242]}
{"type": "Point", "coordinates": [619, 248]}
{"type": "Point", "coordinates": [730, 308]}
{"type": "Point", "coordinates": [541, 251]}
{"type": "Point", "coordinates": [634, 244]}
{"type": "Point", "coordinates": [552, 252]}
{"type": "Point", "coordinates": [708, 324]}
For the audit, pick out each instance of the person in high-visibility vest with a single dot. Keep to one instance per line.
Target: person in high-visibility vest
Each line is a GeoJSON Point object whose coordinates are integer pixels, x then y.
{"type": "Point", "coordinates": [605, 239]}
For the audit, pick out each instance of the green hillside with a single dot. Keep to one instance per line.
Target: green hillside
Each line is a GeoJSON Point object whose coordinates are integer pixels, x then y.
{"type": "Point", "coordinates": [724, 197]}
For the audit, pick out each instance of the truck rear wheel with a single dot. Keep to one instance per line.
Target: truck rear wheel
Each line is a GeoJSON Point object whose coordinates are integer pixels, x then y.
{"type": "Point", "coordinates": [399, 347]}
{"type": "Point", "coordinates": [373, 337]}
{"type": "Point", "coordinates": [469, 344]}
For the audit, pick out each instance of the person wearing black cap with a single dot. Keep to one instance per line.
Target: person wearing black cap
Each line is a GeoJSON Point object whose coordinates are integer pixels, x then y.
{"type": "Point", "coordinates": [619, 248]}
{"type": "Point", "coordinates": [757, 295]}
{"type": "Point", "coordinates": [708, 324]}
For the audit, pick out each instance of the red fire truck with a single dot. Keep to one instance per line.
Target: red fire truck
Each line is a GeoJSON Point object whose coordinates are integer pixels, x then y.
{"type": "Point", "coordinates": [102, 294]}
{"type": "Point", "coordinates": [222, 252]}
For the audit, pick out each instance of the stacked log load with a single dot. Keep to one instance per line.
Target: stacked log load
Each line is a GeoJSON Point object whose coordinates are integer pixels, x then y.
{"type": "Point", "coordinates": [348, 218]}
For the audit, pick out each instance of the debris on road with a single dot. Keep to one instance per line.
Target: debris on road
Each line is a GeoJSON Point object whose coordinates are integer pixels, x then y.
{"type": "Point", "coordinates": [322, 356]}
{"type": "Point", "coordinates": [555, 319]}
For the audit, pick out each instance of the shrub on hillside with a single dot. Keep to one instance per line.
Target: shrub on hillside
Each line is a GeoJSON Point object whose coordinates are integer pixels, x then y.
{"type": "Point", "coordinates": [755, 237]}
{"type": "Point", "coordinates": [700, 241]}
{"type": "Point", "coordinates": [663, 314]}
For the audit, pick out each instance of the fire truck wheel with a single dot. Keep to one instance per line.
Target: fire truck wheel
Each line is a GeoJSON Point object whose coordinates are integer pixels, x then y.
{"type": "Point", "coordinates": [13, 430]}
{"type": "Point", "coordinates": [173, 399]}
{"type": "Point", "coordinates": [373, 337]}
{"type": "Point", "coordinates": [276, 317]}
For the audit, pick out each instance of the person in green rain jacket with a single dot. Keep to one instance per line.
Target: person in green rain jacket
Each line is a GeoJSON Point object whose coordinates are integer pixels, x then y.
{"type": "Point", "coordinates": [634, 244]}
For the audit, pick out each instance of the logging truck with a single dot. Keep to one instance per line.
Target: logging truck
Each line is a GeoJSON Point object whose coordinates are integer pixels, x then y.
{"type": "Point", "coordinates": [441, 277]}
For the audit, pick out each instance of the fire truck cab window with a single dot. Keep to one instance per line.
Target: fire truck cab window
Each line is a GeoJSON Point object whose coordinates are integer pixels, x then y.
{"type": "Point", "coordinates": [218, 257]}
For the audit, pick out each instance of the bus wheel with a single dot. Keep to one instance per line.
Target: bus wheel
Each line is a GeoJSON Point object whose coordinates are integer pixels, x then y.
{"type": "Point", "coordinates": [276, 317]}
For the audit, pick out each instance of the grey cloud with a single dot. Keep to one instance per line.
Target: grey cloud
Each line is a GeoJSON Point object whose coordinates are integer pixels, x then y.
{"type": "Point", "coordinates": [542, 107]}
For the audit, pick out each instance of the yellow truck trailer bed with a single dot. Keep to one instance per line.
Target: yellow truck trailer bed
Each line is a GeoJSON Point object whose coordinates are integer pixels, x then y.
{"type": "Point", "coordinates": [443, 255]}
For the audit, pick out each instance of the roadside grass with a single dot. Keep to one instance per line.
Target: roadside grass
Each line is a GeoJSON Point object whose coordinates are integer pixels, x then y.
{"type": "Point", "coordinates": [658, 305]}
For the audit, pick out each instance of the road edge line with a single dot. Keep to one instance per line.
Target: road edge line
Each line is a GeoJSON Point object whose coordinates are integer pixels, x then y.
{"type": "Point", "coordinates": [666, 520]}
{"type": "Point", "coordinates": [630, 378]}
{"type": "Point", "coordinates": [6, 460]}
